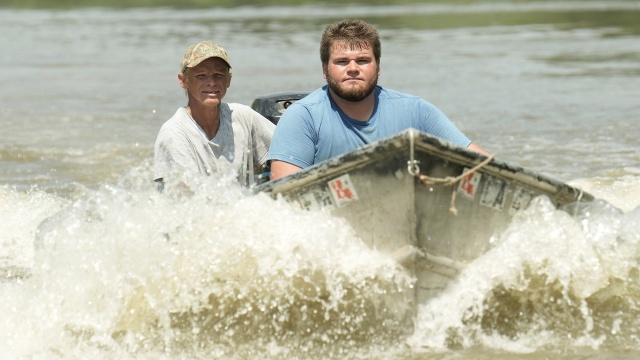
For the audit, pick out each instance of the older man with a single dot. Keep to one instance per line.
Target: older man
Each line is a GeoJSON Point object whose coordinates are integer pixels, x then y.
{"type": "Point", "coordinates": [208, 135]}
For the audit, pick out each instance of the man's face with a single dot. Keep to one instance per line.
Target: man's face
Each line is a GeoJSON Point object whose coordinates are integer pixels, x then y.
{"type": "Point", "coordinates": [207, 82]}
{"type": "Point", "coordinates": [351, 73]}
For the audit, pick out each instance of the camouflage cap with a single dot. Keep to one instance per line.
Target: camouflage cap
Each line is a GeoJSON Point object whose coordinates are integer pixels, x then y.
{"type": "Point", "coordinates": [201, 51]}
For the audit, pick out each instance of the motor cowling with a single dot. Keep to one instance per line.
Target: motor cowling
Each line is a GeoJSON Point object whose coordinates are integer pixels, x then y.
{"type": "Point", "coordinates": [273, 105]}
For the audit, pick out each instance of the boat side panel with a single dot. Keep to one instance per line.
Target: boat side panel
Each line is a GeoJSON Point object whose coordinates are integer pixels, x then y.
{"type": "Point", "coordinates": [395, 213]}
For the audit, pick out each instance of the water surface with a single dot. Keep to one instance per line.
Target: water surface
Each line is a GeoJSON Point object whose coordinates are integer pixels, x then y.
{"type": "Point", "coordinates": [215, 272]}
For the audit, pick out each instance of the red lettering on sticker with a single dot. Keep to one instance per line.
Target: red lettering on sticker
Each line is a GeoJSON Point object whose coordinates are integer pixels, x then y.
{"type": "Point", "coordinates": [341, 192]}
{"type": "Point", "coordinates": [467, 184]}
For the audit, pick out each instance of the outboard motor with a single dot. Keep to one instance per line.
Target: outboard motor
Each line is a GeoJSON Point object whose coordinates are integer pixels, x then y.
{"type": "Point", "coordinates": [273, 105]}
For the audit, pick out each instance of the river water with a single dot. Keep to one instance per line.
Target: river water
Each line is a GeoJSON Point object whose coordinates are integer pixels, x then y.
{"type": "Point", "coordinates": [212, 271]}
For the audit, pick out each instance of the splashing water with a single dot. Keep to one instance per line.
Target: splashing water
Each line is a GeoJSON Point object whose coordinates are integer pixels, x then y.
{"type": "Point", "coordinates": [552, 280]}
{"type": "Point", "coordinates": [204, 268]}
{"type": "Point", "coordinates": [21, 213]}
{"type": "Point", "coordinates": [209, 269]}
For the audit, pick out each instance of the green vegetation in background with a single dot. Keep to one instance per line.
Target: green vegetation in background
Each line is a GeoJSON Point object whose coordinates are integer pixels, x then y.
{"type": "Point", "coordinates": [621, 22]}
{"type": "Point", "coordinates": [182, 4]}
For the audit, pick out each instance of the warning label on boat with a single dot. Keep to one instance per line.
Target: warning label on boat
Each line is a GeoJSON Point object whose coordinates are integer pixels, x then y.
{"type": "Point", "coordinates": [316, 199]}
{"type": "Point", "coordinates": [342, 190]}
{"type": "Point", "coordinates": [521, 199]}
{"type": "Point", "coordinates": [494, 193]}
{"type": "Point", "coordinates": [469, 184]}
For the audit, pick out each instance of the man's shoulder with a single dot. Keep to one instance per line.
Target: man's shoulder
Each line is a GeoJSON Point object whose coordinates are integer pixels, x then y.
{"type": "Point", "coordinates": [243, 113]}
{"type": "Point", "coordinates": [239, 108]}
{"type": "Point", "coordinates": [396, 99]}
{"type": "Point", "coordinates": [240, 113]}
{"type": "Point", "coordinates": [316, 97]}
{"type": "Point", "coordinates": [389, 94]}
{"type": "Point", "coordinates": [177, 121]}
{"type": "Point", "coordinates": [177, 130]}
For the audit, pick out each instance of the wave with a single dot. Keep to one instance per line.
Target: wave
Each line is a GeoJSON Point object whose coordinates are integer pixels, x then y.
{"type": "Point", "coordinates": [208, 268]}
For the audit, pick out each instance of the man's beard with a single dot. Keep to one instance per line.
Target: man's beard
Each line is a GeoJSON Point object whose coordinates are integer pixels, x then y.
{"type": "Point", "coordinates": [352, 94]}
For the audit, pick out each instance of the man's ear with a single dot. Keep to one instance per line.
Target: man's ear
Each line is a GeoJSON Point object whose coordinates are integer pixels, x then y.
{"type": "Point", "coordinates": [182, 80]}
{"type": "Point", "coordinates": [324, 71]}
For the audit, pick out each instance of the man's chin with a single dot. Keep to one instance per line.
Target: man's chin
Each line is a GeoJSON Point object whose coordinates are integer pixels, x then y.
{"type": "Point", "coordinates": [212, 100]}
{"type": "Point", "coordinates": [354, 95]}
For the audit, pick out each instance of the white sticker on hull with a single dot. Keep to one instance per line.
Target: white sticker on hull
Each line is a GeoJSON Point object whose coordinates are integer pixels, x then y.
{"type": "Point", "coordinates": [521, 199]}
{"type": "Point", "coordinates": [494, 193]}
{"type": "Point", "coordinates": [316, 199]}
{"type": "Point", "coordinates": [469, 184]}
{"type": "Point", "coordinates": [343, 190]}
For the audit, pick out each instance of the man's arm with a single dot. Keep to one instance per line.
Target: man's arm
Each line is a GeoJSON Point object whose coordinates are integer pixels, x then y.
{"type": "Point", "coordinates": [476, 148]}
{"type": "Point", "coordinates": [281, 168]}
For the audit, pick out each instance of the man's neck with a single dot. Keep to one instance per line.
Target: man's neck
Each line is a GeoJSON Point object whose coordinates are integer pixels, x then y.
{"type": "Point", "coordinates": [207, 117]}
{"type": "Point", "coordinates": [357, 110]}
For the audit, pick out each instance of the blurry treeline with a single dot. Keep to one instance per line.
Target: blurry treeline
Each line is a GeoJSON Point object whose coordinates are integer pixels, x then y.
{"type": "Point", "coordinates": [68, 4]}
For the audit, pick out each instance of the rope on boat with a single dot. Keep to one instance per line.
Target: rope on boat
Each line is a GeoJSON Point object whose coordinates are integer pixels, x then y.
{"type": "Point", "coordinates": [425, 180]}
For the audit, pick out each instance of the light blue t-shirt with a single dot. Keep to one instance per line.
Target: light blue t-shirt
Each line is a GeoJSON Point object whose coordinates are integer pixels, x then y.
{"type": "Point", "coordinates": [314, 129]}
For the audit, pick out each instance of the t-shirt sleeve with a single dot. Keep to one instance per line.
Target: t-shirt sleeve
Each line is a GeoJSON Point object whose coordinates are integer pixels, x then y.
{"type": "Point", "coordinates": [170, 153]}
{"type": "Point", "coordinates": [293, 140]}
{"type": "Point", "coordinates": [438, 124]}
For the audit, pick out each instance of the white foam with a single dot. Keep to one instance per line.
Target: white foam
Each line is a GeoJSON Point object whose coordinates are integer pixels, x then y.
{"type": "Point", "coordinates": [539, 283]}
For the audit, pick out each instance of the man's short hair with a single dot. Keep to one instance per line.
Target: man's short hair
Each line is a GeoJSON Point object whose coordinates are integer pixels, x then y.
{"type": "Point", "coordinates": [356, 34]}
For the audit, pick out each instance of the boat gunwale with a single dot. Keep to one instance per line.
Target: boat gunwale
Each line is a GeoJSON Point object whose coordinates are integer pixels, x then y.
{"type": "Point", "coordinates": [429, 144]}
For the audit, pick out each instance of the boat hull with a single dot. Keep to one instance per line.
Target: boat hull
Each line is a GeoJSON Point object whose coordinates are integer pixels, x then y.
{"type": "Point", "coordinates": [413, 197]}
